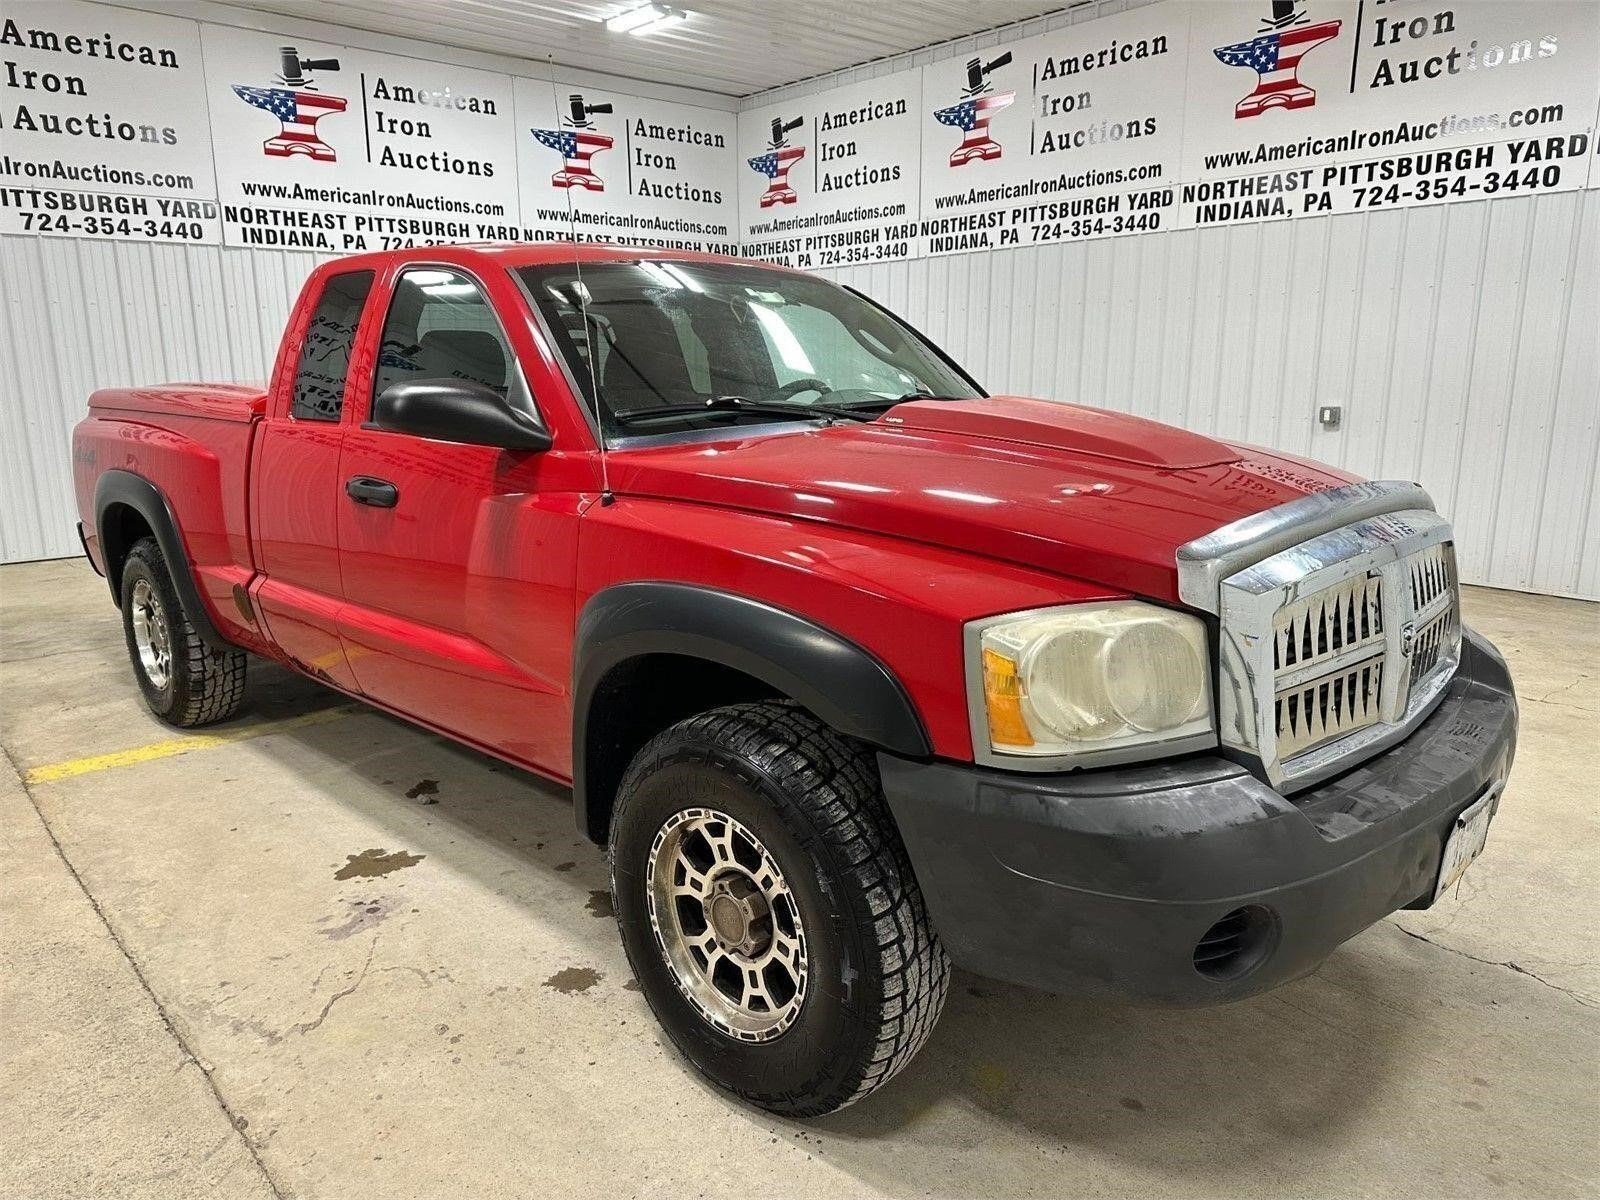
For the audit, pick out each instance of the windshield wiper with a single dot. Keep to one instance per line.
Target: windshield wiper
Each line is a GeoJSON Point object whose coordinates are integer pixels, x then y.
{"type": "Point", "coordinates": [737, 405]}
{"type": "Point", "coordinates": [910, 396]}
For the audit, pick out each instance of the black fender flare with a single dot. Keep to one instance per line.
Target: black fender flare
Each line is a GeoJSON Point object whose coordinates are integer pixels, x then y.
{"type": "Point", "coordinates": [139, 494]}
{"type": "Point", "coordinates": [842, 683]}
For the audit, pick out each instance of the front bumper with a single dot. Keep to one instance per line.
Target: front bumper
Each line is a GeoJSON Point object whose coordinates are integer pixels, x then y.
{"type": "Point", "coordinates": [1104, 882]}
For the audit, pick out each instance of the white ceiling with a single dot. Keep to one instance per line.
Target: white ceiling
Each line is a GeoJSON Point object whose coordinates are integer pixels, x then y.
{"type": "Point", "coordinates": [735, 47]}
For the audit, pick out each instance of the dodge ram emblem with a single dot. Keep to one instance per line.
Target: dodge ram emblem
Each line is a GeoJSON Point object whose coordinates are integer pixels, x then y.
{"type": "Point", "coordinates": [1408, 634]}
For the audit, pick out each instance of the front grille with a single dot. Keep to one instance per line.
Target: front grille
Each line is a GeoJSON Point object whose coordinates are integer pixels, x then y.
{"type": "Point", "coordinates": [1328, 708]}
{"type": "Point", "coordinates": [1327, 663]}
{"type": "Point", "coordinates": [1325, 625]}
{"type": "Point", "coordinates": [1429, 644]}
{"type": "Point", "coordinates": [1336, 642]}
{"type": "Point", "coordinates": [1433, 590]}
{"type": "Point", "coordinates": [1433, 573]}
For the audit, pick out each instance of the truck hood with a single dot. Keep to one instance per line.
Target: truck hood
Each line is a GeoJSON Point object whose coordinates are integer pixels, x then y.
{"type": "Point", "coordinates": [1095, 495]}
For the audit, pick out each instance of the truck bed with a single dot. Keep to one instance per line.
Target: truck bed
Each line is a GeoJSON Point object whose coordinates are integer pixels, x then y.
{"type": "Point", "coordinates": [192, 443]}
{"type": "Point", "coordinates": [240, 402]}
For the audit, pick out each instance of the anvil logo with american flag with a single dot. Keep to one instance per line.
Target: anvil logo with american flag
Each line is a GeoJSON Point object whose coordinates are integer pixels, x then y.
{"type": "Point", "coordinates": [577, 145]}
{"type": "Point", "coordinates": [1275, 57]}
{"type": "Point", "coordinates": [972, 116]}
{"type": "Point", "coordinates": [297, 108]}
{"type": "Point", "coordinates": [780, 156]}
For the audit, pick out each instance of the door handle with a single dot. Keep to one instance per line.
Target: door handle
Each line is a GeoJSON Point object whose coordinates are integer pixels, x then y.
{"type": "Point", "coordinates": [379, 493]}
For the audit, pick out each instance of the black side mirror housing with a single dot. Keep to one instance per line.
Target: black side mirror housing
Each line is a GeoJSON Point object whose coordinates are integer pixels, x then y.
{"type": "Point", "coordinates": [456, 410]}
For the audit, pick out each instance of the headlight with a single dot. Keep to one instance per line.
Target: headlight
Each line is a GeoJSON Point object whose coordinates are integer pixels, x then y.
{"type": "Point", "coordinates": [1089, 683]}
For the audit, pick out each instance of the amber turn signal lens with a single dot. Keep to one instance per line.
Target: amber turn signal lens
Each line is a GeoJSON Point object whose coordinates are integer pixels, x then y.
{"type": "Point", "coordinates": [1002, 696]}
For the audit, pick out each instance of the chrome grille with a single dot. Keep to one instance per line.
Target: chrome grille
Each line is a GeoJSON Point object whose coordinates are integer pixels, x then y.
{"type": "Point", "coordinates": [1433, 573]}
{"type": "Point", "coordinates": [1329, 624]}
{"type": "Point", "coordinates": [1310, 714]}
{"type": "Point", "coordinates": [1335, 642]}
{"type": "Point", "coordinates": [1327, 663]}
{"type": "Point", "coordinates": [1433, 599]}
{"type": "Point", "coordinates": [1429, 644]}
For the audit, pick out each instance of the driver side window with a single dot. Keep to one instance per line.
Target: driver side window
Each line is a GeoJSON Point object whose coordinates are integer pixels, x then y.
{"type": "Point", "coordinates": [441, 326]}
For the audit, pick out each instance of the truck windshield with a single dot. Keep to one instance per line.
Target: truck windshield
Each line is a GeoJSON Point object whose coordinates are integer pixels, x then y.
{"type": "Point", "coordinates": [687, 345]}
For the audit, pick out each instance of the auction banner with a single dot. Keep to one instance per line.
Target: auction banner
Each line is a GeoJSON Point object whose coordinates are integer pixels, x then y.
{"type": "Point", "coordinates": [834, 179]}
{"type": "Point", "coordinates": [598, 165]}
{"type": "Point", "coordinates": [330, 148]}
{"type": "Point", "coordinates": [1333, 106]}
{"type": "Point", "coordinates": [103, 130]}
{"type": "Point", "coordinates": [1067, 135]}
{"type": "Point", "coordinates": [116, 123]}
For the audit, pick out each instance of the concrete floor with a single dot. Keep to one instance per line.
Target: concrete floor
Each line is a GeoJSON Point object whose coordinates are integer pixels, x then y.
{"type": "Point", "coordinates": [335, 956]}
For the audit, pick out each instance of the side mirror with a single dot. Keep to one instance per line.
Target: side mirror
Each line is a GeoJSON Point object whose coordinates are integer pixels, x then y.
{"type": "Point", "coordinates": [456, 410]}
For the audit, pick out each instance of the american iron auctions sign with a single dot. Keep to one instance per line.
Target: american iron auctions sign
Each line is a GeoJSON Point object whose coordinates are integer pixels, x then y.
{"type": "Point", "coordinates": [116, 123]}
{"type": "Point", "coordinates": [1182, 115]}
{"type": "Point", "coordinates": [122, 124]}
{"type": "Point", "coordinates": [103, 130]}
{"type": "Point", "coordinates": [600, 165]}
{"type": "Point", "coordinates": [833, 180]}
{"type": "Point", "coordinates": [1336, 106]}
{"type": "Point", "coordinates": [339, 150]}
{"type": "Point", "coordinates": [1069, 135]}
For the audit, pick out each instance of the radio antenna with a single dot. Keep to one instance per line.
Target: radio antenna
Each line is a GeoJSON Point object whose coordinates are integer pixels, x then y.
{"type": "Point", "coordinates": [607, 496]}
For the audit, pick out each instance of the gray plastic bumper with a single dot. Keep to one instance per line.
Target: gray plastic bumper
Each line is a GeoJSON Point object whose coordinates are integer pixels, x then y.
{"type": "Point", "coordinates": [1103, 882]}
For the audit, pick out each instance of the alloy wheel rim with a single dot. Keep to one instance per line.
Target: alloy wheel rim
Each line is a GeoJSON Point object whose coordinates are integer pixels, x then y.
{"type": "Point", "coordinates": [727, 924]}
{"type": "Point", "coordinates": [150, 634]}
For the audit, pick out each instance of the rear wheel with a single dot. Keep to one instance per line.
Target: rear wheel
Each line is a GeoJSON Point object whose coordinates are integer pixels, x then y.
{"type": "Point", "coordinates": [769, 911]}
{"type": "Point", "coordinates": [185, 682]}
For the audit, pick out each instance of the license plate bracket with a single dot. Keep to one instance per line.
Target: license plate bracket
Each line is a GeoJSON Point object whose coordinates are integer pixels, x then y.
{"type": "Point", "coordinates": [1468, 835]}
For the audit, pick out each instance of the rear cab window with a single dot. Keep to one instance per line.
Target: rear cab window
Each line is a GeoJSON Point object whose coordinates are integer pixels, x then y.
{"type": "Point", "coordinates": [319, 377]}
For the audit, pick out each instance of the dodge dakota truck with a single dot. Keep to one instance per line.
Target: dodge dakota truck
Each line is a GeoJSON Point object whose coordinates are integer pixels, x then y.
{"type": "Point", "coordinates": [854, 670]}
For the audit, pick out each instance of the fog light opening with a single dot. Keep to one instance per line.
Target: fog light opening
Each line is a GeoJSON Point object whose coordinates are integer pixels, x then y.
{"type": "Point", "coordinates": [1237, 944]}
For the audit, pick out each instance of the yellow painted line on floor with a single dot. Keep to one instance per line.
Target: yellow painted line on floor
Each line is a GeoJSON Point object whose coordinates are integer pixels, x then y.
{"type": "Point", "coordinates": [180, 745]}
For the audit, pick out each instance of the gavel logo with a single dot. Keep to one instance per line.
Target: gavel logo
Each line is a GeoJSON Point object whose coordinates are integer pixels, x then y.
{"type": "Point", "coordinates": [978, 73]}
{"type": "Point", "coordinates": [581, 111]}
{"type": "Point", "coordinates": [781, 129]}
{"type": "Point", "coordinates": [577, 145]}
{"type": "Point", "coordinates": [979, 103]}
{"type": "Point", "coordinates": [292, 68]}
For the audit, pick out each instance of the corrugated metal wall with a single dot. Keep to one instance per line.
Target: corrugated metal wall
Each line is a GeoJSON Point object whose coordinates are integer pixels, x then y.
{"type": "Point", "coordinates": [80, 315]}
{"type": "Point", "coordinates": [1462, 341]}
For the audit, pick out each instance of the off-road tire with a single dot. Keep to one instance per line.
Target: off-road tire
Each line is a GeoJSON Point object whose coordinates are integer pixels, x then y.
{"type": "Point", "coordinates": [204, 685]}
{"type": "Point", "coordinates": [814, 799]}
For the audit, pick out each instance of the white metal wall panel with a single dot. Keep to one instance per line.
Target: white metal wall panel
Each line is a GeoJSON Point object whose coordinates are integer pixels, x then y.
{"type": "Point", "coordinates": [80, 315]}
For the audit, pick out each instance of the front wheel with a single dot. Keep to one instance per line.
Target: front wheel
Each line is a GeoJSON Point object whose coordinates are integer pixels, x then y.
{"type": "Point", "coordinates": [769, 911]}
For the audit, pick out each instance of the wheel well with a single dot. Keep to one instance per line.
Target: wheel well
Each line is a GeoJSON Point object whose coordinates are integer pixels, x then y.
{"type": "Point", "coordinates": [121, 525]}
{"type": "Point", "coordinates": [636, 700]}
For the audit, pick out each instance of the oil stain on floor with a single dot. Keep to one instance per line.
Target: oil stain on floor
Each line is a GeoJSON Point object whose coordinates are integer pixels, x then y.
{"type": "Point", "coordinates": [600, 903]}
{"type": "Point", "coordinates": [573, 979]}
{"type": "Point", "coordinates": [370, 864]}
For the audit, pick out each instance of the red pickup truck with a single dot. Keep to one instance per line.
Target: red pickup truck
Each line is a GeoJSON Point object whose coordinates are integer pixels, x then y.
{"type": "Point", "coordinates": [855, 670]}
